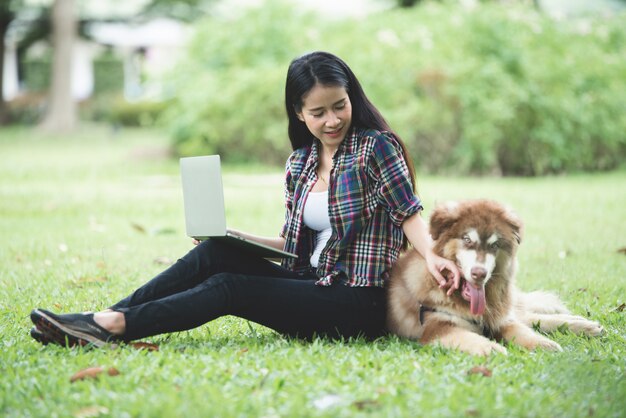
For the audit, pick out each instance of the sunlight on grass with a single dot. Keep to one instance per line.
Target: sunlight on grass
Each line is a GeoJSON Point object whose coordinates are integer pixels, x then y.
{"type": "Point", "coordinates": [87, 218]}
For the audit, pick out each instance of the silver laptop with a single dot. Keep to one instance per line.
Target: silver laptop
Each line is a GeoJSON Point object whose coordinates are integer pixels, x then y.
{"type": "Point", "coordinates": [205, 217]}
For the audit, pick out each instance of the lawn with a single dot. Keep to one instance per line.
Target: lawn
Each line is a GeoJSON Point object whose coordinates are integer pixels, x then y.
{"type": "Point", "coordinates": [87, 218]}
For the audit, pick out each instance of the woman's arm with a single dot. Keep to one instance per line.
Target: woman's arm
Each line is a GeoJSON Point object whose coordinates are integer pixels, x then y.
{"type": "Point", "coordinates": [416, 232]}
{"type": "Point", "coordinates": [278, 242]}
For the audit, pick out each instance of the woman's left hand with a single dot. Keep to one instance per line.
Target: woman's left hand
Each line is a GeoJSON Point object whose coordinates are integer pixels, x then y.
{"type": "Point", "coordinates": [445, 272]}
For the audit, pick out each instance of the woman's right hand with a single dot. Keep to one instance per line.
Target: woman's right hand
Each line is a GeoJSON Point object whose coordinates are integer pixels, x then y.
{"type": "Point", "coordinates": [195, 241]}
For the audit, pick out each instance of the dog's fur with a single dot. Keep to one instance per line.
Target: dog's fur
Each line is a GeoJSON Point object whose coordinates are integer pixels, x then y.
{"type": "Point", "coordinates": [482, 237]}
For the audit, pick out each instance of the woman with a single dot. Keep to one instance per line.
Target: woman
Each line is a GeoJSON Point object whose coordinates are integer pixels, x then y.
{"type": "Point", "coordinates": [350, 208]}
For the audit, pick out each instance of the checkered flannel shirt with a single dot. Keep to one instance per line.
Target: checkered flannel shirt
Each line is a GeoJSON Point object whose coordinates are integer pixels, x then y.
{"type": "Point", "coordinates": [369, 196]}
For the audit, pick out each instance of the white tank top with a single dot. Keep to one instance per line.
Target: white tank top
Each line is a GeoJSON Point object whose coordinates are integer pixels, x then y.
{"type": "Point", "coordinates": [315, 216]}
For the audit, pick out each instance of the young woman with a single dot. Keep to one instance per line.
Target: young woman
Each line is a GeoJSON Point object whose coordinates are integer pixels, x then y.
{"type": "Point", "coordinates": [350, 208]}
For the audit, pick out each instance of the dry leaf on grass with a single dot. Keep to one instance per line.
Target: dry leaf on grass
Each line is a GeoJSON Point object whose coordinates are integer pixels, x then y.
{"type": "Point", "coordinates": [138, 228]}
{"type": "Point", "coordinates": [163, 261]}
{"type": "Point", "coordinates": [366, 404]}
{"type": "Point", "coordinates": [620, 308]}
{"type": "Point", "coordinates": [480, 370]}
{"type": "Point", "coordinates": [87, 280]}
{"type": "Point", "coordinates": [152, 231]}
{"type": "Point", "coordinates": [92, 373]}
{"type": "Point", "coordinates": [144, 346]}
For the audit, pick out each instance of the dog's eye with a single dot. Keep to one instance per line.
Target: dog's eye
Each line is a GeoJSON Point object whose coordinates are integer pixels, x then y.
{"type": "Point", "coordinates": [495, 245]}
{"type": "Point", "coordinates": [466, 239]}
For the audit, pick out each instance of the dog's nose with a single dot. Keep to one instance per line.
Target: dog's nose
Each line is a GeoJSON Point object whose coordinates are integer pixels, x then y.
{"type": "Point", "coordinates": [478, 273]}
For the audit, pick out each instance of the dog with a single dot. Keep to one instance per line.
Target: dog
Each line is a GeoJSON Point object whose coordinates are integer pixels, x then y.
{"type": "Point", "coordinates": [482, 237]}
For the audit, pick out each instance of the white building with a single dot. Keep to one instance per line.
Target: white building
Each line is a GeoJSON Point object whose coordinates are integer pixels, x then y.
{"type": "Point", "coordinates": [147, 51]}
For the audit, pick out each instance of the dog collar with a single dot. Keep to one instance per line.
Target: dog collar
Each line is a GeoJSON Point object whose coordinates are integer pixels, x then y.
{"type": "Point", "coordinates": [423, 309]}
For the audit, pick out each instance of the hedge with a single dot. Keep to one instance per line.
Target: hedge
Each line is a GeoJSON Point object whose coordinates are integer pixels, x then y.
{"type": "Point", "coordinates": [491, 90]}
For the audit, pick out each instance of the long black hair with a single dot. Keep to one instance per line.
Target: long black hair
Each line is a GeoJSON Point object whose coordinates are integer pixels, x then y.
{"type": "Point", "coordinates": [329, 70]}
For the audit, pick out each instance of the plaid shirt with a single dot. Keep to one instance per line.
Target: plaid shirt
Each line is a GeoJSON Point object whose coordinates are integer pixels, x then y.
{"type": "Point", "coordinates": [369, 196]}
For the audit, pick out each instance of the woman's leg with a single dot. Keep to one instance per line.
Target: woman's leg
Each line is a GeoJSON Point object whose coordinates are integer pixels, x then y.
{"type": "Point", "coordinates": [196, 290]}
{"type": "Point", "coordinates": [293, 307]}
{"type": "Point", "coordinates": [206, 259]}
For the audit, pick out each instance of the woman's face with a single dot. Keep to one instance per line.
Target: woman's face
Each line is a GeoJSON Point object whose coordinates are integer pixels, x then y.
{"type": "Point", "coordinates": [327, 112]}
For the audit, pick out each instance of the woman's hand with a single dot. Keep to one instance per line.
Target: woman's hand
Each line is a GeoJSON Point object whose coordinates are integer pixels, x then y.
{"type": "Point", "coordinates": [445, 272]}
{"type": "Point", "coordinates": [195, 241]}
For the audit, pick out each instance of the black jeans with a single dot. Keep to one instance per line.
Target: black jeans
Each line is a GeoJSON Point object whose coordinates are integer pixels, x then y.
{"type": "Point", "coordinates": [214, 279]}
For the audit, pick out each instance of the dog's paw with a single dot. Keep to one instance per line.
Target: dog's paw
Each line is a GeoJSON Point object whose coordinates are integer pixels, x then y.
{"type": "Point", "coordinates": [548, 344]}
{"type": "Point", "coordinates": [585, 327]}
{"type": "Point", "coordinates": [541, 342]}
{"type": "Point", "coordinates": [469, 342]}
{"type": "Point", "coordinates": [485, 348]}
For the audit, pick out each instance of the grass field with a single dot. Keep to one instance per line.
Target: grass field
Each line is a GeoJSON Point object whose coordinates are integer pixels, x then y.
{"type": "Point", "coordinates": [86, 219]}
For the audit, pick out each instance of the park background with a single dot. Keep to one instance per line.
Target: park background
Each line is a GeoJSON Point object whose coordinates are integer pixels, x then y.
{"type": "Point", "coordinates": [519, 101]}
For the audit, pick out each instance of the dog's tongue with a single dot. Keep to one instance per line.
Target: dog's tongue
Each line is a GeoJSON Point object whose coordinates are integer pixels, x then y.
{"type": "Point", "coordinates": [477, 300]}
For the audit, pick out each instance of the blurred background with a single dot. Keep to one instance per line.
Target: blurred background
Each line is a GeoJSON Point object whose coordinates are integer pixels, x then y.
{"type": "Point", "coordinates": [473, 87]}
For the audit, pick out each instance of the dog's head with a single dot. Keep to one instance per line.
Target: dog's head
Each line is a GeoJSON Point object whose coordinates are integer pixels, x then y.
{"type": "Point", "coordinates": [479, 235]}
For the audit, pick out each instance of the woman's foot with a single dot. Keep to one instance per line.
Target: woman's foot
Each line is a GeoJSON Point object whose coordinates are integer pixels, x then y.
{"type": "Point", "coordinates": [72, 329]}
{"type": "Point", "coordinates": [112, 321]}
{"type": "Point", "coordinates": [38, 336]}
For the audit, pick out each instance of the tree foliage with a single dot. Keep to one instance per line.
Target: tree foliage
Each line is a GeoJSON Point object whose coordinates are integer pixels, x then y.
{"type": "Point", "coordinates": [185, 10]}
{"type": "Point", "coordinates": [490, 90]}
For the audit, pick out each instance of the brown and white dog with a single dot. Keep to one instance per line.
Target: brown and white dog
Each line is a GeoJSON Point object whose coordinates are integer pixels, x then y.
{"type": "Point", "coordinates": [482, 237]}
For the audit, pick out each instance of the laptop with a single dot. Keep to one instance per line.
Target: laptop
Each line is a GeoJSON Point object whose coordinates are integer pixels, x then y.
{"type": "Point", "coordinates": [205, 216]}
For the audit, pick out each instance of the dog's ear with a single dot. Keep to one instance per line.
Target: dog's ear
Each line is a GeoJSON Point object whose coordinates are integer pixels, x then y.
{"type": "Point", "coordinates": [515, 223]}
{"type": "Point", "coordinates": [442, 218]}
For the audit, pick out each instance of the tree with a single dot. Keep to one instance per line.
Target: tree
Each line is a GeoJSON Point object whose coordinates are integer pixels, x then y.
{"type": "Point", "coordinates": [184, 10]}
{"type": "Point", "coordinates": [61, 114]}
{"type": "Point", "coordinates": [407, 3]}
{"type": "Point", "coordinates": [7, 14]}
{"type": "Point", "coordinates": [25, 16]}
{"type": "Point", "coordinates": [33, 17]}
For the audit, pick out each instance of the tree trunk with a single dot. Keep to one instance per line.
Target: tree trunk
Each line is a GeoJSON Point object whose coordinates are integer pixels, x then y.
{"type": "Point", "coordinates": [61, 114]}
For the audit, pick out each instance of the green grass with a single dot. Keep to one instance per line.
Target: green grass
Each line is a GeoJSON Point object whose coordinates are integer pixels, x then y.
{"type": "Point", "coordinates": [85, 219]}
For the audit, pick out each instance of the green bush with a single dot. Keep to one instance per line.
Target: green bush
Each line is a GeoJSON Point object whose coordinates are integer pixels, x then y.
{"type": "Point", "coordinates": [36, 73]}
{"type": "Point", "coordinates": [144, 113]}
{"type": "Point", "coordinates": [493, 90]}
{"type": "Point", "coordinates": [108, 74]}
{"type": "Point", "coordinates": [116, 110]}
{"type": "Point", "coordinates": [28, 108]}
